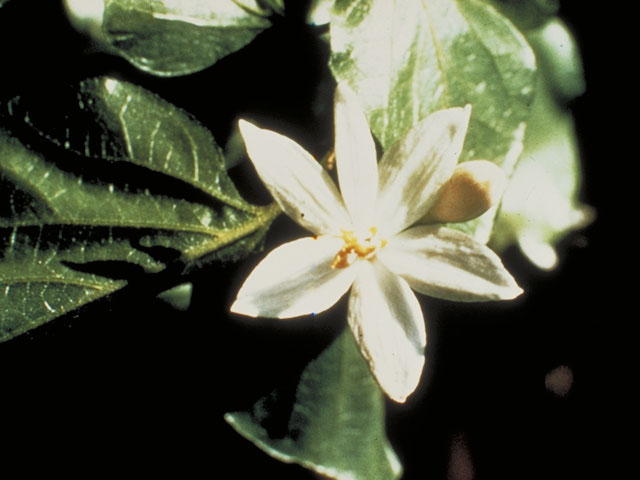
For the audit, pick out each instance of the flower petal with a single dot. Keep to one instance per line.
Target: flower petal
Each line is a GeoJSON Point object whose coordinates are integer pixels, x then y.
{"type": "Point", "coordinates": [445, 263]}
{"type": "Point", "coordinates": [295, 279]}
{"type": "Point", "coordinates": [355, 157]}
{"type": "Point", "coordinates": [413, 169]}
{"type": "Point", "coordinates": [387, 323]}
{"type": "Point", "coordinates": [299, 184]}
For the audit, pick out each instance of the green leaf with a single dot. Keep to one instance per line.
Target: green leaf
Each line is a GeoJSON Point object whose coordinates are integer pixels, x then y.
{"type": "Point", "coordinates": [408, 59]}
{"type": "Point", "coordinates": [179, 297]}
{"type": "Point", "coordinates": [336, 426]}
{"type": "Point", "coordinates": [559, 57]}
{"type": "Point", "coordinates": [122, 184]}
{"type": "Point", "coordinates": [171, 37]}
{"type": "Point", "coordinates": [541, 204]}
{"type": "Point", "coordinates": [527, 14]}
{"type": "Point", "coordinates": [276, 6]}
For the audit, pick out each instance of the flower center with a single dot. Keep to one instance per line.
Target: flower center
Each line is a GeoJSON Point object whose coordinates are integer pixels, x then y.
{"type": "Point", "coordinates": [363, 245]}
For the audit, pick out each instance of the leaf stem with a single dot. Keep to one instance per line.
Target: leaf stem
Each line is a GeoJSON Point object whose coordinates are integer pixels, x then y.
{"type": "Point", "coordinates": [263, 218]}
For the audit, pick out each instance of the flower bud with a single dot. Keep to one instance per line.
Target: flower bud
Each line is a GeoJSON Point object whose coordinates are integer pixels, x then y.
{"type": "Point", "coordinates": [473, 188]}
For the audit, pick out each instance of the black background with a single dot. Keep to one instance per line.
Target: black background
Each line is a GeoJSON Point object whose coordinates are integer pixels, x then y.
{"type": "Point", "coordinates": [128, 385]}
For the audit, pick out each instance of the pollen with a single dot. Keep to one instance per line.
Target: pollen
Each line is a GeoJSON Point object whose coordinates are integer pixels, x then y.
{"type": "Point", "coordinates": [357, 246]}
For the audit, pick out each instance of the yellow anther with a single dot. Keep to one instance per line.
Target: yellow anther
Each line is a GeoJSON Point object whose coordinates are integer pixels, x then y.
{"type": "Point", "coordinates": [331, 160]}
{"type": "Point", "coordinates": [355, 247]}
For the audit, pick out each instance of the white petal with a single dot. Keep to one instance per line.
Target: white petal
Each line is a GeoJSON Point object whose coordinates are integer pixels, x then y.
{"type": "Point", "coordinates": [445, 263]}
{"type": "Point", "coordinates": [388, 326]}
{"type": "Point", "coordinates": [302, 188]}
{"type": "Point", "coordinates": [413, 169]}
{"type": "Point", "coordinates": [355, 157]}
{"type": "Point", "coordinates": [295, 279]}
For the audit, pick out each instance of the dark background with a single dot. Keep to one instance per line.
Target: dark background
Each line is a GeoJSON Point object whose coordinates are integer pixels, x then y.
{"type": "Point", "coordinates": [129, 385]}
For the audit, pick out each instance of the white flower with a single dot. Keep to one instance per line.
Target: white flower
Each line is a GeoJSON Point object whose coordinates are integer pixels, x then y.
{"type": "Point", "coordinates": [364, 240]}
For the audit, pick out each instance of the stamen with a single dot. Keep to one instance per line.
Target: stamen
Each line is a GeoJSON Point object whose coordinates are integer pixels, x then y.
{"type": "Point", "coordinates": [331, 160]}
{"type": "Point", "coordinates": [355, 248]}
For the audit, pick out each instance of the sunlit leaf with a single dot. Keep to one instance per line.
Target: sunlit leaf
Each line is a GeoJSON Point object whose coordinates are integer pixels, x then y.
{"type": "Point", "coordinates": [113, 184]}
{"type": "Point", "coordinates": [408, 59]}
{"type": "Point", "coordinates": [178, 37]}
{"type": "Point", "coordinates": [336, 427]}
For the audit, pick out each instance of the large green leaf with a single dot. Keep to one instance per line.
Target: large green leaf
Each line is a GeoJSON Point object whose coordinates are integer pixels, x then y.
{"type": "Point", "coordinates": [123, 177]}
{"type": "Point", "coordinates": [541, 204]}
{"type": "Point", "coordinates": [407, 59]}
{"type": "Point", "coordinates": [336, 427]}
{"type": "Point", "coordinates": [171, 37]}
